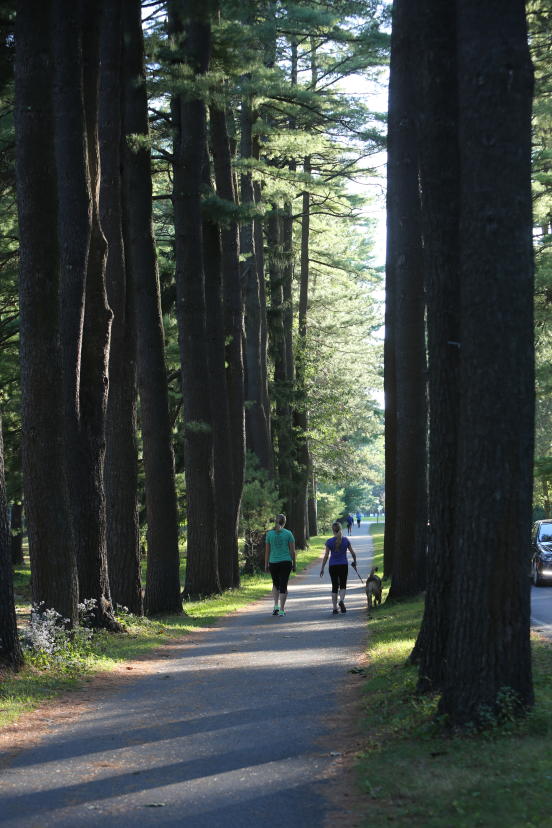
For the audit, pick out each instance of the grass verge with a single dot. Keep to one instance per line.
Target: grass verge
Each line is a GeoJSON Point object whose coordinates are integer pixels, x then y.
{"type": "Point", "coordinates": [414, 775]}
{"type": "Point", "coordinates": [33, 685]}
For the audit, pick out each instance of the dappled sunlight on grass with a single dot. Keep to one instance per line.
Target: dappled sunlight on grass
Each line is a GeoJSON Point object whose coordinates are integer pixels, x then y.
{"type": "Point", "coordinates": [27, 690]}
{"type": "Point", "coordinates": [393, 649]}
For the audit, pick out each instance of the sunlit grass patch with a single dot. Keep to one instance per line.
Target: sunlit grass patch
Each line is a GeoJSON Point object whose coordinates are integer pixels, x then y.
{"type": "Point", "coordinates": [392, 650]}
{"type": "Point", "coordinates": [415, 775]}
{"type": "Point", "coordinates": [29, 689]}
{"type": "Point", "coordinates": [22, 591]}
{"type": "Point", "coordinates": [376, 531]}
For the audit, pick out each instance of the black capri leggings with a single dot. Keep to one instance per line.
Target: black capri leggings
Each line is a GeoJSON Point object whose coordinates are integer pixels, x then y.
{"type": "Point", "coordinates": [338, 574]}
{"type": "Point", "coordinates": [280, 574]}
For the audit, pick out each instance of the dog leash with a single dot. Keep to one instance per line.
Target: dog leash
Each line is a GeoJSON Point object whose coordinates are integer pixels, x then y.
{"type": "Point", "coordinates": [358, 573]}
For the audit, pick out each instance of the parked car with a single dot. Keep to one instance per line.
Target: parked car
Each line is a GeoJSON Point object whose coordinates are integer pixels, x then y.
{"type": "Point", "coordinates": [541, 552]}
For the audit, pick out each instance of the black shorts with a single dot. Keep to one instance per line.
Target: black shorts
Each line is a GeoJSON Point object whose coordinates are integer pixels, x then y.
{"type": "Point", "coordinates": [338, 574]}
{"type": "Point", "coordinates": [280, 574]}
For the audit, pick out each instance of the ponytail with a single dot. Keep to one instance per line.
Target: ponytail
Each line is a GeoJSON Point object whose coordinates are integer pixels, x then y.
{"type": "Point", "coordinates": [279, 522]}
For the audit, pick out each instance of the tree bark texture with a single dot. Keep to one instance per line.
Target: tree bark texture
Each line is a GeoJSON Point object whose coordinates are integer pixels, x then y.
{"type": "Point", "coordinates": [285, 414]}
{"type": "Point", "coordinates": [389, 360]}
{"type": "Point", "coordinates": [389, 346]}
{"type": "Point", "coordinates": [16, 533]}
{"type": "Point", "coordinates": [189, 21]}
{"type": "Point", "coordinates": [53, 564]}
{"type": "Point", "coordinates": [489, 650]}
{"type": "Point", "coordinates": [439, 179]}
{"type": "Point", "coordinates": [282, 389]}
{"type": "Point", "coordinates": [233, 313]}
{"type": "Point", "coordinates": [259, 233]}
{"type": "Point", "coordinates": [287, 288]}
{"type": "Point", "coordinates": [10, 648]}
{"type": "Point", "coordinates": [121, 467]}
{"type": "Point", "coordinates": [85, 312]}
{"type": "Point", "coordinates": [257, 412]}
{"type": "Point", "coordinates": [288, 266]}
{"type": "Point", "coordinates": [94, 379]}
{"type": "Point", "coordinates": [162, 584]}
{"type": "Point", "coordinates": [312, 505]}
{"type": "Point", "coordinates": [299, 518]}
{"type": "Point", "coordinates": [225, 514]}
{"type": "Point", "coordinates": [408, 569]}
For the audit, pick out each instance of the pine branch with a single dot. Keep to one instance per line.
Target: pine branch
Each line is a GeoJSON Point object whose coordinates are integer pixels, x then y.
{"type": "Point", "coordinates": [341, 121]}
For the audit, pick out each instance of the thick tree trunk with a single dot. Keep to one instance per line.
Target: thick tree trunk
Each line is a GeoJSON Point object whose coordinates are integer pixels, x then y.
{"type": "Point", "coordinates": [92, 547]}
{"type": "Point", "coordinates": [299, 518]}
{"type": "Point", "coordinates": [233, 335]}
{"type": "Point", "coordinates": [287, 384]}
{"type": "Point", "coordinates": [287, 370]}
{"type": "Point", "coordinates": [389, 360]}
{"type": "Point", "coordinates": [298, 521]}
{"type": "Point", "coordinates": [162, 585]}
{"type": "Point", "coordinates": [312, 506]}
{"type": "Point", "coordinates": [288, 266]}
{"type": "Point", "coordinates": [257, 412]}
{"type": "Point", "coordinates": [16, 533]}
{"type": "Point", "coordinates": [74, 235]}
{"type": "Point", "coordinates": [190, 24]}
{"type": "Point", "coordinates": [439, 178]}
{"type": "Point", "coordinates": [258, 230]}
{"type": "Point", "coordinates": [121, 468]}
{"type": "Point", "coordinates": [53, 565]}
{"type": "Point", "coordinates": [488, 657]}
{"type": "Point", "coordinates": [225, 514]}
{"type": "Point", "coordinates": [408, 569]}
{"type": "Point", "coordinates": [389, 347]}
{"type": "Point", "coordinates": [281, 390]}
{"type": "Point", "coordinates": [10, 648]}
{"type": "Point", "coordinates": [85, 315]}
{"type": "Point", "coordinates": [287, 289]}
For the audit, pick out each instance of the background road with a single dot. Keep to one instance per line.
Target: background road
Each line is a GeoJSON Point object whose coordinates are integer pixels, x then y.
{"type": "Point", "coordinates": [541, 609]}
{"type": "Point", "coordinates": [235, 727]}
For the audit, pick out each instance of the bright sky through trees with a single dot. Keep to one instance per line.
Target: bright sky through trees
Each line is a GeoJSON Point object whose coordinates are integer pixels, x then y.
{"type": "Point", "coordinates": [374, 94]}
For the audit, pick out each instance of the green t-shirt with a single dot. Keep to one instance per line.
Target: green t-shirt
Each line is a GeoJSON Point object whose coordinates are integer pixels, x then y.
{"type": "Point", "coordinates": [279, 545]}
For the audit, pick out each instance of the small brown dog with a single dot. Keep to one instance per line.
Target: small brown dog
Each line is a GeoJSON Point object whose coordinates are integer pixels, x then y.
{"type": "Point", "coordinates": [373, 588]}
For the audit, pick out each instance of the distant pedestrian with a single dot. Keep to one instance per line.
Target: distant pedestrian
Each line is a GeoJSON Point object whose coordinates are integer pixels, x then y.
{"type": "Point", "coordinates": [350, 521]}
{"type": "Point", "coordinates": [359, 518]}
{"type": "Point", "coordinates": [337, 548]}
{"type": "Point", "coordinates": [280, 559]}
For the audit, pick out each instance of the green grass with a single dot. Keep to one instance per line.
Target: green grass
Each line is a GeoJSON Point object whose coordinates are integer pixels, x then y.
{"type": "Point", "coordinates": [22, 585]}
{"type": "Point", "coordinates": [377, 530]}
{"type": "Point", "coordinates": [32, 686]}
{"type": "Point", "coordinates": [414, 775]}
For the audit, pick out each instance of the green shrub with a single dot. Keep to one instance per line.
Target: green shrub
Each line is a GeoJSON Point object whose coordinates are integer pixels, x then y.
{"type": "Point", "coordinates": [50, 644]}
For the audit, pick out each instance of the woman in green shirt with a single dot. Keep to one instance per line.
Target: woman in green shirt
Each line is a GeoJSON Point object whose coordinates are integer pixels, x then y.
{"type": "Point", "coordinates": [280, 559]}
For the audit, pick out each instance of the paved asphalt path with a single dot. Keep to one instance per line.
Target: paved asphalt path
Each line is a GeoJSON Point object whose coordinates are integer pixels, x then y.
{"type": "Point", "coordinates": [233, 730]}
